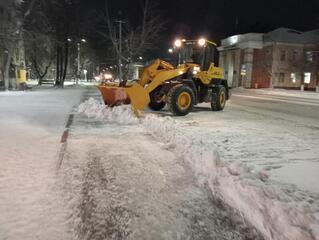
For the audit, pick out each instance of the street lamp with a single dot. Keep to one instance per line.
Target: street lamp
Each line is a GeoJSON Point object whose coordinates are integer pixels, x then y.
{"type": "Point", "coordinates": [79, 60]}
{"type": "Point", "coordinates": [203, 41]}
{"type": "Point", "coordinates": [82, 40]}
{"type": "Point", "coordinates": [170, 50]}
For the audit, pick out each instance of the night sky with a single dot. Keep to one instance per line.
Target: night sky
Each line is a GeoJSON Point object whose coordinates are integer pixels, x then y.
{"type": "Point", "coordinates": [219, 19]}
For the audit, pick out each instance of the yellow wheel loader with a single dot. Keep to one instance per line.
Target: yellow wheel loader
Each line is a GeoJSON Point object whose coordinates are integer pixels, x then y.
{"type": "Point", "coordinates": [179, 88]}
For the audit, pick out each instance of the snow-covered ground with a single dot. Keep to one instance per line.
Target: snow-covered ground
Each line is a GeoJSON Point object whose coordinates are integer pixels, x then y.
{"type": "Point", "coordinates": [31, 124]}
{"type": "Point", "coordinates": [262, 163]}
{"type": "Point", "coordinates": [122, 177]}
{"type": "Point", "coordinates": [123, 183]}
{"type": "Point", "coordinates": [281, 92]}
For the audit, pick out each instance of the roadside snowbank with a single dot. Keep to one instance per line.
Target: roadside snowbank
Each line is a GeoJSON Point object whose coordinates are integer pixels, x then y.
{"type": "Point", "coordinates": [268, 208]}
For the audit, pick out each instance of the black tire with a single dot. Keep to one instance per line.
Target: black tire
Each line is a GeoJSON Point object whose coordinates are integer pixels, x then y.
{"type": "Point", "coordinates": [180, 100]}
{"type": "Point", "coordinates": [156, 104]}
{"type": "Point", "coordinates": [219, 98]}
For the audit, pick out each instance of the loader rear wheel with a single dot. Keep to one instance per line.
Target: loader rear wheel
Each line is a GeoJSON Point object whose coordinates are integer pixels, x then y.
{"type": "Point", "coordinates": [180, 100]}
{"type": "Point", "coordinates": [219, 98]}
{"type": "Point", "coordinates": [156, 103]}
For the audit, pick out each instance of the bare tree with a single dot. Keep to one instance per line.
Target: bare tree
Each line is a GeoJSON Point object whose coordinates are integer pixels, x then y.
{"type": "Point", "coordinates": [40, 52]}
{"type": "Point", "coordinates": [138, 40]}
{"type": "Point", "coordinates": [12, 18]}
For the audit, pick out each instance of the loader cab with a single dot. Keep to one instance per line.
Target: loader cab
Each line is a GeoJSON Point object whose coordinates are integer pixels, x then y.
{"type": "Point", "coordinates": [192, 52]}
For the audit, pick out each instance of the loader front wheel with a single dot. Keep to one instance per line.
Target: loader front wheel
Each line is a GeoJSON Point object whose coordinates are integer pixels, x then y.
{"type": "Point", "coordinates": [156, 103]}
{"type": "Point", "coordinates": [219, 98]}
{"type": "Point", "coordinates": [180, 100]}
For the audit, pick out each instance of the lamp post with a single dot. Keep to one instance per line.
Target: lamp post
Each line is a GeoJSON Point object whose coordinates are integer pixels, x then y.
{"type": "Point", "coordinates": [78, 72]}
{"type": "Point", "coordinates": [120, 22]}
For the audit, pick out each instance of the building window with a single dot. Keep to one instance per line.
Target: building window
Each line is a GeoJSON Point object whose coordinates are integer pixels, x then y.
{"type": "Point", "coordinates": [307, 77]}
{"type": "Point", "coordinates": [282, 55]}
{"type": "Point", "coordinates": [294, 55]}
{"type": "Point", "coordinates": [243, 70]}
{"type": "Point", "coordinates": [281, 77]}
{"type": "Point", "coordinates": [293, 77]}
{"type": "Point", "coordinates": [309, 56]}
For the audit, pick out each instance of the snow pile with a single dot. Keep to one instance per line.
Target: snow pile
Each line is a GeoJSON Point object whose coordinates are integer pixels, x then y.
{"type": "Point", "coordinates": [200, 157]}
{"type": "Point", "coordinates": [267, 208]}
{"type": "Point", "coordinates": [97, 110]}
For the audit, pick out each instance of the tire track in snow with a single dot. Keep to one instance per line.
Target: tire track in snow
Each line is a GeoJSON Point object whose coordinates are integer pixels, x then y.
{"type": "Point", "coordinates": [100, 216]}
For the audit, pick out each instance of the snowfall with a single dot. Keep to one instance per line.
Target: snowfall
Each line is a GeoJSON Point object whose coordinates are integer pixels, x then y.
{"type": "Point", "coordinates": [72, 168]}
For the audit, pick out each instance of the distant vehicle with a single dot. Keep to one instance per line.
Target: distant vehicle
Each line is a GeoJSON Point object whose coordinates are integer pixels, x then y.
{"type": "Point", "coordinates": [104, 77]}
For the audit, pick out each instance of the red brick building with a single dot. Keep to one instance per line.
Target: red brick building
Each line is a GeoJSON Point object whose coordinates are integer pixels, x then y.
{"type": "Point", "coordinates": [283, 58]}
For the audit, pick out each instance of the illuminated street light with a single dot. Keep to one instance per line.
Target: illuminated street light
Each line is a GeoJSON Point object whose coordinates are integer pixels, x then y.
{"type": "Point", "coordinates": [178, 43]}
{"type": "Point", "coordinates": [69, 40]}
{"type": "Point", "coordinates": [108, 76]}
{"type": "Point", "coordinates": [170, 50]}
{"type": "Point", "coordinates": [83, 40]}
{"type": "Point", "coordinates": [202, 42]}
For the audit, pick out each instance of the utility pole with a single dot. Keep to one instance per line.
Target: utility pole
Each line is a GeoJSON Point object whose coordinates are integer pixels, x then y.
{"type": "Point", "coordinates": [120, 22]}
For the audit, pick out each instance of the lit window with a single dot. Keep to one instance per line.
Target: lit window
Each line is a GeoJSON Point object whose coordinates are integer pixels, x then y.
{"type": "Point", "coordinates": [309, 56]}
{"type": "Point", "coordinates": [293, 77]}
{"type": "Point", "coordinates": [307, 77]}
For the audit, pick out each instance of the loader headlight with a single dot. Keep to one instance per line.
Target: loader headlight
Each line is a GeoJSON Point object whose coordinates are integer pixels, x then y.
{"type": "Point", "coordinates": [202, 42]}
{"type": "Point", "coordinates": [178, 43]}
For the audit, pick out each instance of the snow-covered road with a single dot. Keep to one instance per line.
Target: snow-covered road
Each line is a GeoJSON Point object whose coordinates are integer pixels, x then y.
{"type": "Point", "coordinates": [254, 140]}
{"type": "Point", "coordinates": [277, 134]}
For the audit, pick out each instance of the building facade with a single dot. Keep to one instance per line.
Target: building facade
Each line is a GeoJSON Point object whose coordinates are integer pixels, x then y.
{"type": "Point", "coordinates": [283, 58]}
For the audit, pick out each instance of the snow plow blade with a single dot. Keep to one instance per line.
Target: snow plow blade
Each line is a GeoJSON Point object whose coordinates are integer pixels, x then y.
{"type": "Point", "coordinates": [134, 94]}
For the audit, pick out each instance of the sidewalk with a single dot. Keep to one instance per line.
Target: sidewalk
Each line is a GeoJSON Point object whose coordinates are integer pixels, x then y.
{"type": "Point", "coordinates": [31, 124]}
